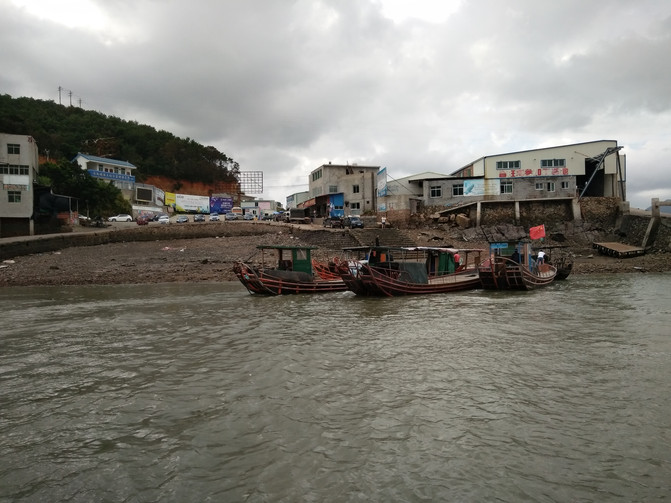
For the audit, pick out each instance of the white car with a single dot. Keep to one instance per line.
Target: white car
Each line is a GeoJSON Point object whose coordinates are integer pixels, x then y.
{"type": "Point", "coordinates": [164, 219]}
{"type": "Point", "coordinates": [214, 217]}
{"type": "Point", "coordinates": [120, 218]}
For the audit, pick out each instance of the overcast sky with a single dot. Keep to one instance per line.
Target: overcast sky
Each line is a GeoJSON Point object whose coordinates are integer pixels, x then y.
{"type": "Point", "coordinates": [285, 86]}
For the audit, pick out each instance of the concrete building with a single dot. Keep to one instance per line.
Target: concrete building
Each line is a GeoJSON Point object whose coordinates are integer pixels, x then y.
{"type": "Point", "coordinates": [337, 189]}
{"type": "Point", "coordinates": [19, 167]}
{"type": "Point", "coordinates": [577, 170]}
{"type": "Point", "coordinates": [566, 172]}
{"type": "Point", "coordinates": [297, 199]}
{"type": "Point", "coordinates": [258, 207]}
{"type": "Point", "coordinates": [109, 170]}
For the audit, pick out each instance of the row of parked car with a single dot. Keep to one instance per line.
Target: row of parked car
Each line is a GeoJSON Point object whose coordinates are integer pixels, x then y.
{"type": "Point", "coordinates": [353, 222]}
{"type": "Point", "coordinates": [181, 219]}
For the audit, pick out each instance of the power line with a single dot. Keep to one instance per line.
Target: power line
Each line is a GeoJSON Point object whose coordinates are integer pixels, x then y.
{"type": "Point", "coordinates": [70, 95]}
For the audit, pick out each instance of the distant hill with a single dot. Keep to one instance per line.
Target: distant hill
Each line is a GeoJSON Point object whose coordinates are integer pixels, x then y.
{"type": "Point", "coordinates": [62, 131]}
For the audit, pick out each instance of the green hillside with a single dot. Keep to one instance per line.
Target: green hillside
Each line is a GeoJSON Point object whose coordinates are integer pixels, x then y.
{"type": "Point", "coordinates": [62, 131]}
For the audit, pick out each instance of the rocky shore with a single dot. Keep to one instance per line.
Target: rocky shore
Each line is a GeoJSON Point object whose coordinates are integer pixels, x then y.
{"type": "Point", "coordinates": [156, 257]}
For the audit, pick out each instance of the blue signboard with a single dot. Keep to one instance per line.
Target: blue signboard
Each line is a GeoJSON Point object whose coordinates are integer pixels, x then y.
{"type": "Point", "coordinates": [337, 205]}
{"type": "Point", "coordinates": [221, 204]}
{"type": "Point", "coordinates": [111, 176]}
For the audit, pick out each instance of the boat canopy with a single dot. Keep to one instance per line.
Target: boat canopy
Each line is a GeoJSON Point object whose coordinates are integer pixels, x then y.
{"type": "Point", "coordinates": [292, 258]}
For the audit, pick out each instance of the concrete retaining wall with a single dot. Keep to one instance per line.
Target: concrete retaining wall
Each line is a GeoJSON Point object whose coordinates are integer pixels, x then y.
{"type": "Point", "coordinates": [27, 245]}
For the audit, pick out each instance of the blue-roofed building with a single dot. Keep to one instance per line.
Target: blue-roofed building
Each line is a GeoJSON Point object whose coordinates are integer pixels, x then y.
{"type": "Point", "coordinates": [109, 170]}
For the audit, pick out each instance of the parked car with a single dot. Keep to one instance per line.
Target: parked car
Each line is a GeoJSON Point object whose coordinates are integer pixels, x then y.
{"type": "Point", "coordinates": [353, 222]}
{"type": "Point", "coordinates": [182, 219]}
{"type": "Point", "coordinates": [248, 216]}
{"type": "Point", "coordinates": [199, 217]}
{"type": "Point", "coordinates": [214, 217]}
{"type": "Point", "coordinates": [164, 219]}
{"type": "Point", "coordinates": [231, 216]}
{"type": "Point", "coordinates": [120, 218]}
{"type": "Point", "coordinates": [333, 222]}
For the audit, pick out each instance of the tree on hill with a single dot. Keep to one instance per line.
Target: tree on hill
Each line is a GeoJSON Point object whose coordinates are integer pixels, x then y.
{"type": "Point", "coordinates": [63, 131]}
{"type": "Point", "coordinates": [95, 196]}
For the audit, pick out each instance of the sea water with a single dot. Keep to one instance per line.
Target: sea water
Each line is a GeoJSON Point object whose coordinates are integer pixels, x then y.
{"type": "Point", "coordinates": [202, 392]}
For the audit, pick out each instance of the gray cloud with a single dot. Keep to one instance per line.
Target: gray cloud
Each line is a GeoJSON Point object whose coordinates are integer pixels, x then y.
{"type": "Point", "coordinates": [285, 86]}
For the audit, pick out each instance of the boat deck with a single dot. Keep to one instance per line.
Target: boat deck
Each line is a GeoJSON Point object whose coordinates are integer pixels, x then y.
{"type": "Point", "coordinates": [618, 249]}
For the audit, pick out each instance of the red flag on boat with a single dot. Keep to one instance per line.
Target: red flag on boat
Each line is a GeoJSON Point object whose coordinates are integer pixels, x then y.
{"type": "Point", "coordinates": [537, 232]}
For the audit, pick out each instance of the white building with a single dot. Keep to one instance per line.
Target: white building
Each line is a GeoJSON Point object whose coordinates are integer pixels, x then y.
{"type": "Point", "coordinates": [296, 199]}
{"type": "Point", "coordinates": [19, 167]}
{"type": "Point", "coordinates": [120, 173]}
{"type": "Point", "coordinates": [561, 173]}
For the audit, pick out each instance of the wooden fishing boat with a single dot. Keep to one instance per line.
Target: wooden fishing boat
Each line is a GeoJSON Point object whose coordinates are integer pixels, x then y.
{"type": "Point", "coordinates": [512, 266]}
{"type": "Point", "coordinates": [292, 273]}
{"type": "Point", "coordinates": [399, 271]}
{"type": "Point", "coordinates": [354, 270]}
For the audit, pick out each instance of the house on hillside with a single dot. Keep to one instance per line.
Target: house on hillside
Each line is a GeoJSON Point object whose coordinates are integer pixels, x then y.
{"type": "Point", "coordinates": [120, 173]}
{"type": "Point", "coordinates": [19, 167]}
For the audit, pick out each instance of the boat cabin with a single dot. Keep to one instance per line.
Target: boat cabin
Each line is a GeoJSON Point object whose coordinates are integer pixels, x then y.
{"type": "Point", "coordinates": [521, 252]}
{"type": "Point", "coordinates": [290, 258]}
{"type": "Point", "coordinates": [419, 263]}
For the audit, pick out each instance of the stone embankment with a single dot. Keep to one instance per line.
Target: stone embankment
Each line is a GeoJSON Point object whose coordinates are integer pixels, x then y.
{"type": "Point", "coordinates": [205, 252]}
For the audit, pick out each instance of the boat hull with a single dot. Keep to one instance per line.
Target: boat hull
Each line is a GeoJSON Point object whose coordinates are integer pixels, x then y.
{"type": "Point", "coordinates": [502, 273]}
{"type": "Point", "coordinates": [370, 281]}
{"type": "Point", "coordinates": [274, 282]}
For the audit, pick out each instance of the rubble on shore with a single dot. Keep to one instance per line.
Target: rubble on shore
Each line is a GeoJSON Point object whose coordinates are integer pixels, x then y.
{"type": "Point", "coordinates": [211, 259]}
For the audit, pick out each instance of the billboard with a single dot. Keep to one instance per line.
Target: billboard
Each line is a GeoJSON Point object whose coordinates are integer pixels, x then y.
{"type": "Point", "coordinates": [186, 202]}
{"type": "Point", "coordinates": [160, 196]}
{"type": "Point", "coordinates": [220, 204]}
{"type": "Point", "coordinates": [382, 182]}
{"type": "Point", "coordinates": [481, 187]}
{"type": "Point", "coordinates": [144, 194]}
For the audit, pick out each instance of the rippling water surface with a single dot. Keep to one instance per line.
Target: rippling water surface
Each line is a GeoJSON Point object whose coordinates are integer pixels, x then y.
{"type": "Point", "coordinates": [205, 393]}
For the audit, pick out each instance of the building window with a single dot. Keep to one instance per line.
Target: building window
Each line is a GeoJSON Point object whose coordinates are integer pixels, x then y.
{"type": "Point", "coordinates": [551, 186]}
{"type": "Point", "coordinates": [458, 189]}
{"type": "Point", "coordinates": [506, 186]}
{"type": "Point", "coordinates": [333, 189]}
{"type": "Point", "coordinates": [355, 206]}
{"type": "Point", "coordinates": [435, 191]}
{"type": "Point", "coordinates": [14, 196]}
{"type": "Point", "coordinates": [355, 189]}
{"type": "Point", "coordinates": [14, 169]}
{"type": "Point", "coordinates": [539, 186]}
{"type": "Point", "coordinates": [553, 163]}
{"type": "Point", "coordinates": [507, 164]}
{"type": "Point", "coordinates": [316, 175]}
{"type": "Point", "coordinates": [564, 185]}
{"type": "Point", "coordinates": [13, 148]}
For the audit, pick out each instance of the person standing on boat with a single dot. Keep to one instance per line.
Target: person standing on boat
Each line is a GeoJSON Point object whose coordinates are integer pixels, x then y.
{"type": "Point", "coordinates": [515, 257]}
{"type": "Point", "coordinates": [541, 257]}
